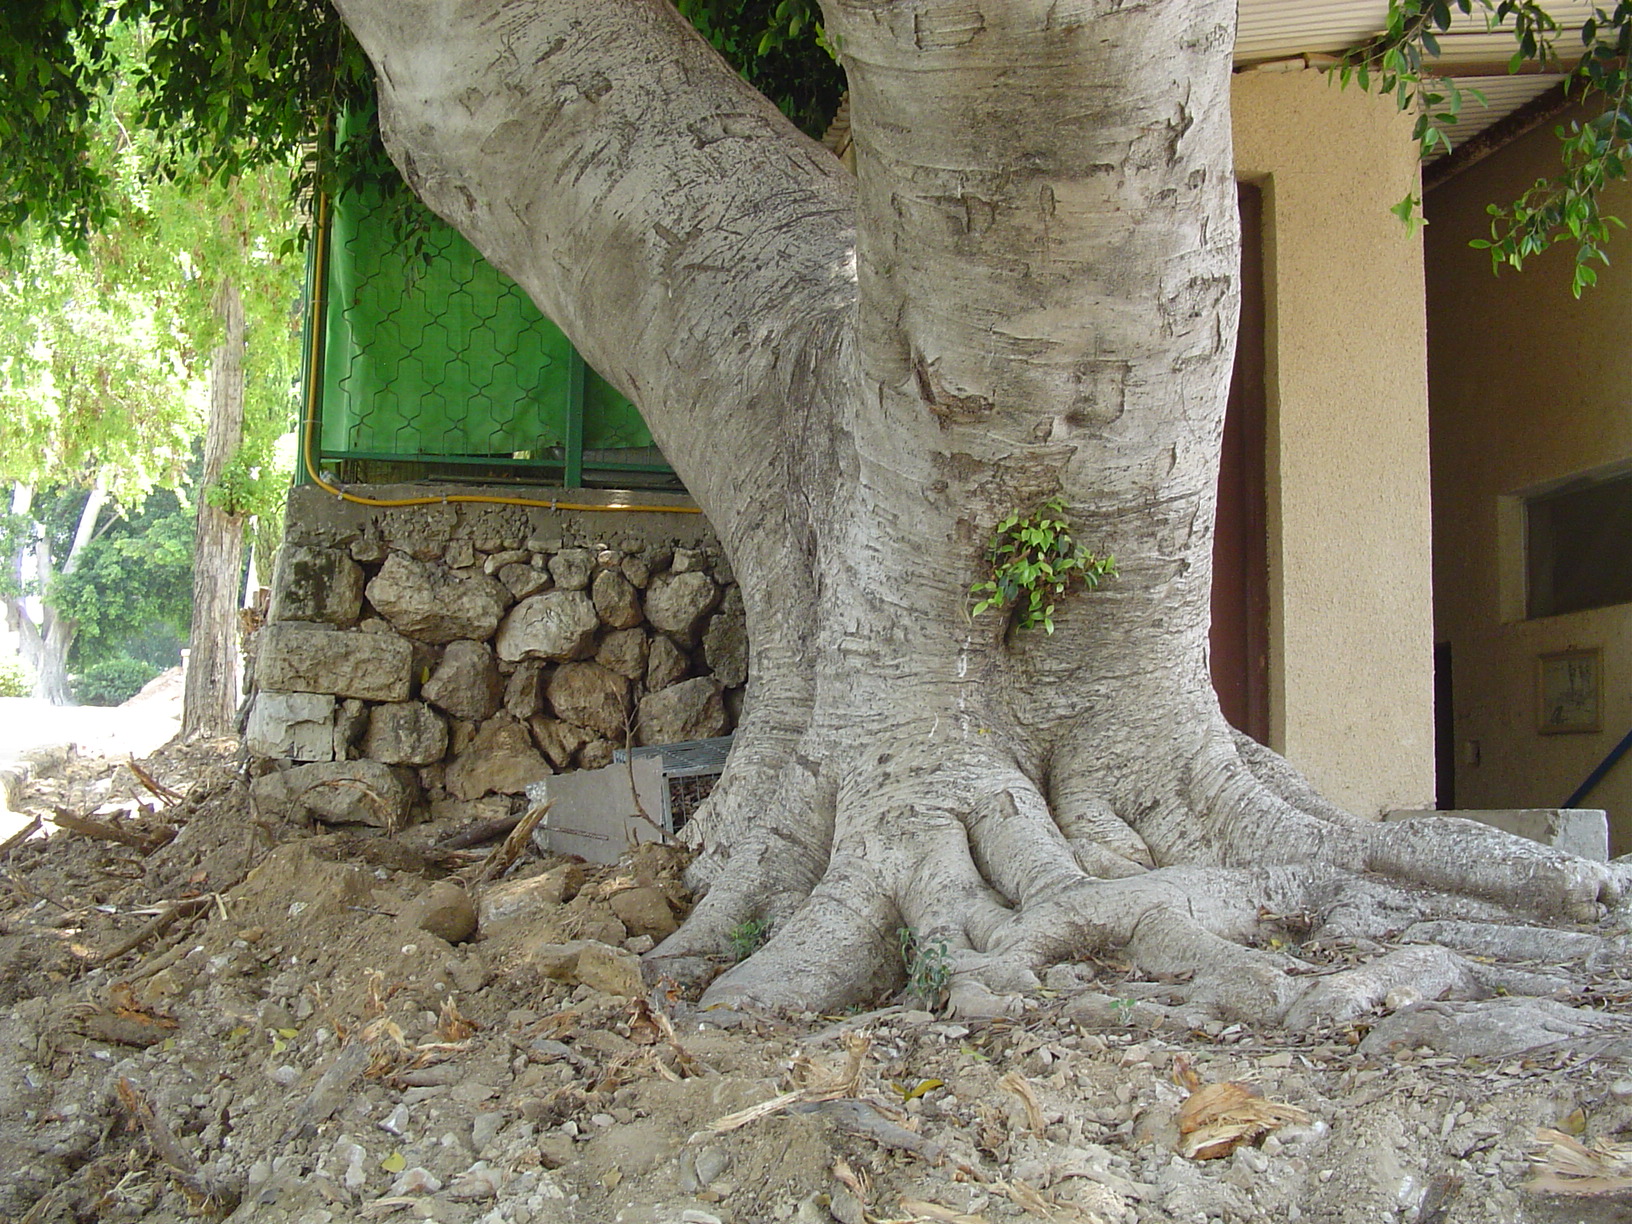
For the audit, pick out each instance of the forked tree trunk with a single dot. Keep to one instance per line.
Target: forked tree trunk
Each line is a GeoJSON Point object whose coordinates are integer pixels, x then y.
{"type": "Point", "coordinates": [210, 695]}
{"type": "Point", "coordinates": [1027, 292]}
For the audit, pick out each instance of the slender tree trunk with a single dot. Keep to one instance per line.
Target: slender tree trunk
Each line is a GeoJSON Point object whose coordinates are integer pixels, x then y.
{"type": "Point", "coordinates": [1027, 292]}
{"type": "Point", "coordinates": [46, 645]}
{"type": "Point", "coordinates": [22, 501]}
{"type": "Point", "coordinates": [210, 700]}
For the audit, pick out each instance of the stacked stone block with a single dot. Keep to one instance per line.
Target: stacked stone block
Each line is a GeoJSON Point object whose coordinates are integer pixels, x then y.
{"type": "Point", "coordinates": [443, 657]}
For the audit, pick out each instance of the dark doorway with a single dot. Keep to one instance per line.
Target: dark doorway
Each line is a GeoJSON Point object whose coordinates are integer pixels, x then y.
{"type": "Point", "coordinates": [1444, 731]}
{"type": "Point", "coordinates": [1240, 636]}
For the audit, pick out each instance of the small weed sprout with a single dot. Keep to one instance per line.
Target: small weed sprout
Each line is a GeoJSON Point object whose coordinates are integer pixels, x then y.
{"type": "Point", "coordinates": [748, 936]}
{"type": "Point", "coordinates": [928, 966]}
{"type": "Point", "coordinates": [1033, 562]}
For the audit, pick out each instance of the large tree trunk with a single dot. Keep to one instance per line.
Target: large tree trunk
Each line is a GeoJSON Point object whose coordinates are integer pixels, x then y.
{"type": "Point", "coordinates": [1027, 292]}
{"type": "Point", "coordinates": [210, 696]}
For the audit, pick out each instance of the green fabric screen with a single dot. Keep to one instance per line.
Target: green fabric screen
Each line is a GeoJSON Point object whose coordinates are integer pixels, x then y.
{"type": "Point", "coordinates": [446, 357]}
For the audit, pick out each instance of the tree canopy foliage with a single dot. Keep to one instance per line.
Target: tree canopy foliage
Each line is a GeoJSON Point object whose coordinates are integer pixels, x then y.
{"type": "Point", "coordinates": [1592, 153]}
{"type": "Point", "coordinates": [109, 314]}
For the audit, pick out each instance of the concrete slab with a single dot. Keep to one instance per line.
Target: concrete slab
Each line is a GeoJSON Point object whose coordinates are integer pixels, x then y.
{"type": "Point", "coordinates": [593, 812]}
{"type": "Point", "coordinates": [1581, 831]}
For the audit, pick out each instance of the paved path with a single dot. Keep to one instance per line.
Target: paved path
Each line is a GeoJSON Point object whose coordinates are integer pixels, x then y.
{"type": "Point", "coordinates": [144, 723]}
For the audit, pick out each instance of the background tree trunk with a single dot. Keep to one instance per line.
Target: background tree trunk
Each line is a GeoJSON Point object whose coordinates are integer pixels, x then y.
{"type": "Point", "coordinates": [210, 699]}
{"type": "Point", "coordinates": [45, 645]}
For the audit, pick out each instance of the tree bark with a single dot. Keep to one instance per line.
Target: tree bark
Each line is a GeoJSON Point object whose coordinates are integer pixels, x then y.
{"type": "Point", "coordinates": [1027, 292]}
{"type": "Point", "coordinates": [210, 695]}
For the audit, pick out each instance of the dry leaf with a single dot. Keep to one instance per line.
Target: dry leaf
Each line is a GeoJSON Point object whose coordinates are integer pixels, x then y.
{"type": "Point", "coordinates": [1016, 1083]}
{"type": "Point", "coordinates": [1028, 1198]}
{"type": "Point", "coordinates": [1218, 1118]}
{"type": "Point", "coordinates": [453, 1026]}
{"type": "Point", "coordinates": [858, 1184]}
{"type": "Point", "coordinates": [1565, 1165]}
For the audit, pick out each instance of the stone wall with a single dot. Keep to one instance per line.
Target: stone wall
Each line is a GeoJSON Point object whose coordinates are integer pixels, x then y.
{"type": "Point", "coordinates": [439, 658]}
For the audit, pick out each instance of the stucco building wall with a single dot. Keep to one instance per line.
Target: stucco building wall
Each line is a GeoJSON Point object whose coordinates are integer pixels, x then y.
{"type": "Point", "coordinates": [1351, 699]}
{"type": "Point", "coordinates": [1529, 386]}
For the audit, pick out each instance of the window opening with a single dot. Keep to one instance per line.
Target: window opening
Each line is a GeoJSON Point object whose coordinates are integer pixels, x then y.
{"type": "Point", "coordinates": [1578, 546]}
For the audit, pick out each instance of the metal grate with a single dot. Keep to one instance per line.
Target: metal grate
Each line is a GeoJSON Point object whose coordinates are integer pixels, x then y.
{"type": "Point", "coordinates": [690, 770]}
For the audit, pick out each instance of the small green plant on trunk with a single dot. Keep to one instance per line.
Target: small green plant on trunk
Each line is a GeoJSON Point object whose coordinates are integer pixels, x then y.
{"type": "Point", "coordinates": [1033, 563]}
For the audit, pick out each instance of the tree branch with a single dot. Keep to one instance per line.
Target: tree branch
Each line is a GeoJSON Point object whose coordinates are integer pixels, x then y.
{"type": "Point", "coordinates": [683, 234]}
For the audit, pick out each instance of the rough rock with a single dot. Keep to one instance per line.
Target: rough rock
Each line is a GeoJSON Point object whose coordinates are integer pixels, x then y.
{"type": "Point", "coordinates": [571, 568]}
{"type": "Point", "coordinates": [677, 603]}
{"type": "Point", "coordinates": [308, 659]}
{"type": "Point", "coordinates": [460, 554]}
{"type": "Point", "coordinates": [533, 896]}
{"type": "Point", "coordinates": [444, 910]}
{"type": "Point", "coordinates": [666, 664]}
{"type": "Point", "coordinates": [556, 625]}
{"type": "Point", "coordinates": [317, 584]}
{"type": "Point", "coordinates": [523, 580]}
{"type": "Point", "coordinates": [638, 570]}
{"type": "Point", "coordinates": [591, 964]}
{"type": "Point", "coordinates": [624, 651]}
{"type": "Point", "coordinates": [350, 721]}
{"type": "Point", "coordinates": [524, 692]}
{"type": "Point", "coordinates": [405, 733]}
{"type": "Point", "coordinates": [596, 754]}
{"type": "Point", "coordinates": [693, 709]}
{"type": "Point", "coordinates": [431, 603]}
{"type": "Point", "coordinates": [725, 644]}
{"type": "Point", "coordinates": [470, 811]}
{"type": "Point", "coordinates": [589, 695]}
{"type": "Point", "coordinates": [617, 602]}
{"type": "Point", "coordinates": [501, 758]}
{"type": "Point", "coordinates": [558, 740]}
{"type": "Point", "coordinates": [687, 561]}
{"type": "Point", "coordinates": [337, 792]}
{"type": "Point", "coordinates": [505, 556]}
{"type": "Point", "coordinates": [369, 549]}
{"type": "Point", "coordinates": [466, 683]}
{"type": "Point", "coordinates": [299, 726]}
{"type": "Point", "coordinates": [644, 911]}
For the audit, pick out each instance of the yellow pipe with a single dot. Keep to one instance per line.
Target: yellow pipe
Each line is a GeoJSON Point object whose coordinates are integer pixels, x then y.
{"type": "Point", "coordinates": [309, 421]}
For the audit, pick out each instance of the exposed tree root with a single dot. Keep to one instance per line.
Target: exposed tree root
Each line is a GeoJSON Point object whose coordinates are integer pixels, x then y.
{"type": "Point", "coordinates": [1010, 882]}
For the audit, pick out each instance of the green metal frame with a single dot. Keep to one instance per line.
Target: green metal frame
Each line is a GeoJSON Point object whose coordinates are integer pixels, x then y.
{"type": "Point", "coordinates": [571, 464]}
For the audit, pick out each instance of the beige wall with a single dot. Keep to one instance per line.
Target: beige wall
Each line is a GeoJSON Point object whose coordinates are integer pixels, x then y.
{"type": "Point", "coordinates": [1351, 629]}
{"type": "Point", "coordinates": [1528, 386]}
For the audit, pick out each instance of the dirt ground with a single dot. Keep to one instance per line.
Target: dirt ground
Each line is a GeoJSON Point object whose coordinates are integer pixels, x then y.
{"type": "Point", "coordinates": [207, 1015]}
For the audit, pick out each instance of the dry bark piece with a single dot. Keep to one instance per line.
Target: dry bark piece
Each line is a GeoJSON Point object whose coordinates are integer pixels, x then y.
{"type": "Point", "coordinates": [102, 830]}
{"type": "Point", "coordinates": [169, 1149]}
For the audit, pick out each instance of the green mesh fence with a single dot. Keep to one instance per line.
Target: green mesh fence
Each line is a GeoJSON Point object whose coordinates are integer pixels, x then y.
{"type": "Point", "coordinates": [441, 365]}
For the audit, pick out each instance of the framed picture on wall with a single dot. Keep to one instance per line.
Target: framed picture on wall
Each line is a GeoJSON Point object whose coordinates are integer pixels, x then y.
{"type": "Point", "coordinates": [1570, 685]}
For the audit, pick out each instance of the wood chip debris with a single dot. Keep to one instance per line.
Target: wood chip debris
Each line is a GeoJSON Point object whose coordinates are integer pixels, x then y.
{"type": "Point", "coordinates": [1015, 1084]}
{"type": "Point", "coordinates": [1218, 1118]}
{"type": "Point", "coordinates": [816, 1083]}
{"type": "Point", "coordinates": [1565, 1165]}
